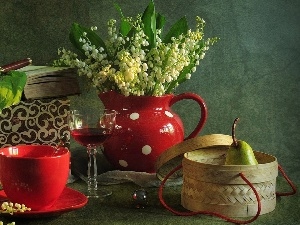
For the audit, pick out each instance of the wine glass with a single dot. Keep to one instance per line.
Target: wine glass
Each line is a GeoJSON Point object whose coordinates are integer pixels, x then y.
{"type": "Point", "coordinates": [91, 130]}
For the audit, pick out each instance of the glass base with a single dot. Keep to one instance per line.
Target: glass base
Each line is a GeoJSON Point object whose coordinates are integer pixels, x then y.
{"type": "Point", "coordinates": [100, 193]}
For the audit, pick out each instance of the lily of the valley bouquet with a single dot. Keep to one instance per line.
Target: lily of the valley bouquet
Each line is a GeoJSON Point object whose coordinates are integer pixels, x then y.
{"type": "Point", "coordinates": [137, 59]}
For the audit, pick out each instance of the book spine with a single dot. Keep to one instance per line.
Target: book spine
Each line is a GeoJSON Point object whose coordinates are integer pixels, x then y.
{"type": "Point", "coordinates": [15, 65]}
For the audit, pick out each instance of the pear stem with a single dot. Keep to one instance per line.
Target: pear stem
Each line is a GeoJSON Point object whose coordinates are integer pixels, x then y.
{"type": "Point", "coordinates": [233, 132]}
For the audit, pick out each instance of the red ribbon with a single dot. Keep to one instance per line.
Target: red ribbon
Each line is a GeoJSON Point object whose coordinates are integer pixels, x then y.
{"type": "Point", "coordinates": [228, 219]}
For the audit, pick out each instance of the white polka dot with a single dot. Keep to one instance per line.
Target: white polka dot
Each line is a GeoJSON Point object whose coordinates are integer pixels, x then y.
{"type": "Point", "coordinates": [146, 150]}
{"type": "Point", "coordinates": [123, 163]}
{"type": "Point", "coordinates": [168, 114]}
{"type": "Point", "coordinates": [134, 116]}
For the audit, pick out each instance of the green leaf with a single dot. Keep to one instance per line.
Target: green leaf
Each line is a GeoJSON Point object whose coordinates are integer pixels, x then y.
{"type": "Point", "coordinates": [125, 26]}
{"type": "Point", "coordinates": [77, 32]}
{"type": "Point", "coordinates": [181, 78]}
{"type": "Point", "coordinates": [180, 27]}
{"type": "Point", "coordinates": [149, 21]}
{"type": "Point", "coordinates": [160, 21]}
{"type": "Point", "coordinates": [11, 88]}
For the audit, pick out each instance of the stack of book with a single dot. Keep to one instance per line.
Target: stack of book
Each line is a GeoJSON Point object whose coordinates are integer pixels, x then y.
{"type": "Point", "coordinates": [50, 82]}
{"type": "Point", "coordinates": [40, 118]}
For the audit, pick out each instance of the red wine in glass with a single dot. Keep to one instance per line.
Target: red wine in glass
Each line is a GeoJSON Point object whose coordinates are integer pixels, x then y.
{"type": "Point", "coordinates": [92, 131]}
{"type": "Point", "coordinates": [91, 136]}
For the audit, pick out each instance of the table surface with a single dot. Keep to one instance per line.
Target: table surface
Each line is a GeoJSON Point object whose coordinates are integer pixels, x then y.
{"type": "Point", "coordinates": [119, 209]}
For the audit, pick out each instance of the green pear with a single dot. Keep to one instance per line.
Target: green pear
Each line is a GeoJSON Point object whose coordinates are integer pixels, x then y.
{"type": "Point", "coordinates": [240, 152]}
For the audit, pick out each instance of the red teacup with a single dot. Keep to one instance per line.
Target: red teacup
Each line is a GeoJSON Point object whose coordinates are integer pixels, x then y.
{"type": "Point", "coordinates": [34, 175]}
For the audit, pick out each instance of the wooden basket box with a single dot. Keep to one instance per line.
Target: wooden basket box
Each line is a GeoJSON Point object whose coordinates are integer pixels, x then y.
{"type": "Point", "coordinates": [209, 185]}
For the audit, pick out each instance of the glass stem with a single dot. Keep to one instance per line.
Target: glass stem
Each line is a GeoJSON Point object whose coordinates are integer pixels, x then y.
{"type": "Point", "coordinates": [92, 170]}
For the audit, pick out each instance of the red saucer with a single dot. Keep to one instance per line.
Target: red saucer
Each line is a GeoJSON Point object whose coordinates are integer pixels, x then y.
{"type": "Point", "coordinates": [69, 200]}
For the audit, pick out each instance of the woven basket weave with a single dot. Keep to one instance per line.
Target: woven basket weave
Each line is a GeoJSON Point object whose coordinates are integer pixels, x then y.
{"type": "Point", "coordinates": [209, 185]}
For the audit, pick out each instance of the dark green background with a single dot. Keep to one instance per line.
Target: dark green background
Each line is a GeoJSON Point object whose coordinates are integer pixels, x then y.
{"type": "Point", "coordinates": [251, 73]}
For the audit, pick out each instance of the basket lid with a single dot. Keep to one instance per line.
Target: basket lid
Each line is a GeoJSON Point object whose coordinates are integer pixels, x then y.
{"type": "Point", "coordinates": [173, 156]}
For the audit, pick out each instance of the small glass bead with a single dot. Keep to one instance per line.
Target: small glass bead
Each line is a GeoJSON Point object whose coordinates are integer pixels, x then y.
{"type": "Point", "coordinates": [140, 198]}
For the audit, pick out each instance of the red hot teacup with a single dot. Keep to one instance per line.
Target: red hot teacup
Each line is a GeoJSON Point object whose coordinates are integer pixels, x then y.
{"type": "Point", "coordinates": [34, 175]}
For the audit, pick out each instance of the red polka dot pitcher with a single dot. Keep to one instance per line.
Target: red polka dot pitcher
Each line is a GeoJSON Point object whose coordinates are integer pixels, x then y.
{"type": "Point", "coordinates": [146, 126]}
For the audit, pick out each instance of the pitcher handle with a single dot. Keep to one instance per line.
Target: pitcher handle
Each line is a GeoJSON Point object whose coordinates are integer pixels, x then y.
{"type": "Point", "coordinates": [203, 108]}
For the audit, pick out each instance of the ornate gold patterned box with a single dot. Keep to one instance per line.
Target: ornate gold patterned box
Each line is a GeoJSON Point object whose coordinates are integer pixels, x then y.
{"type": "Point", "coordinates": [41, 121]}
